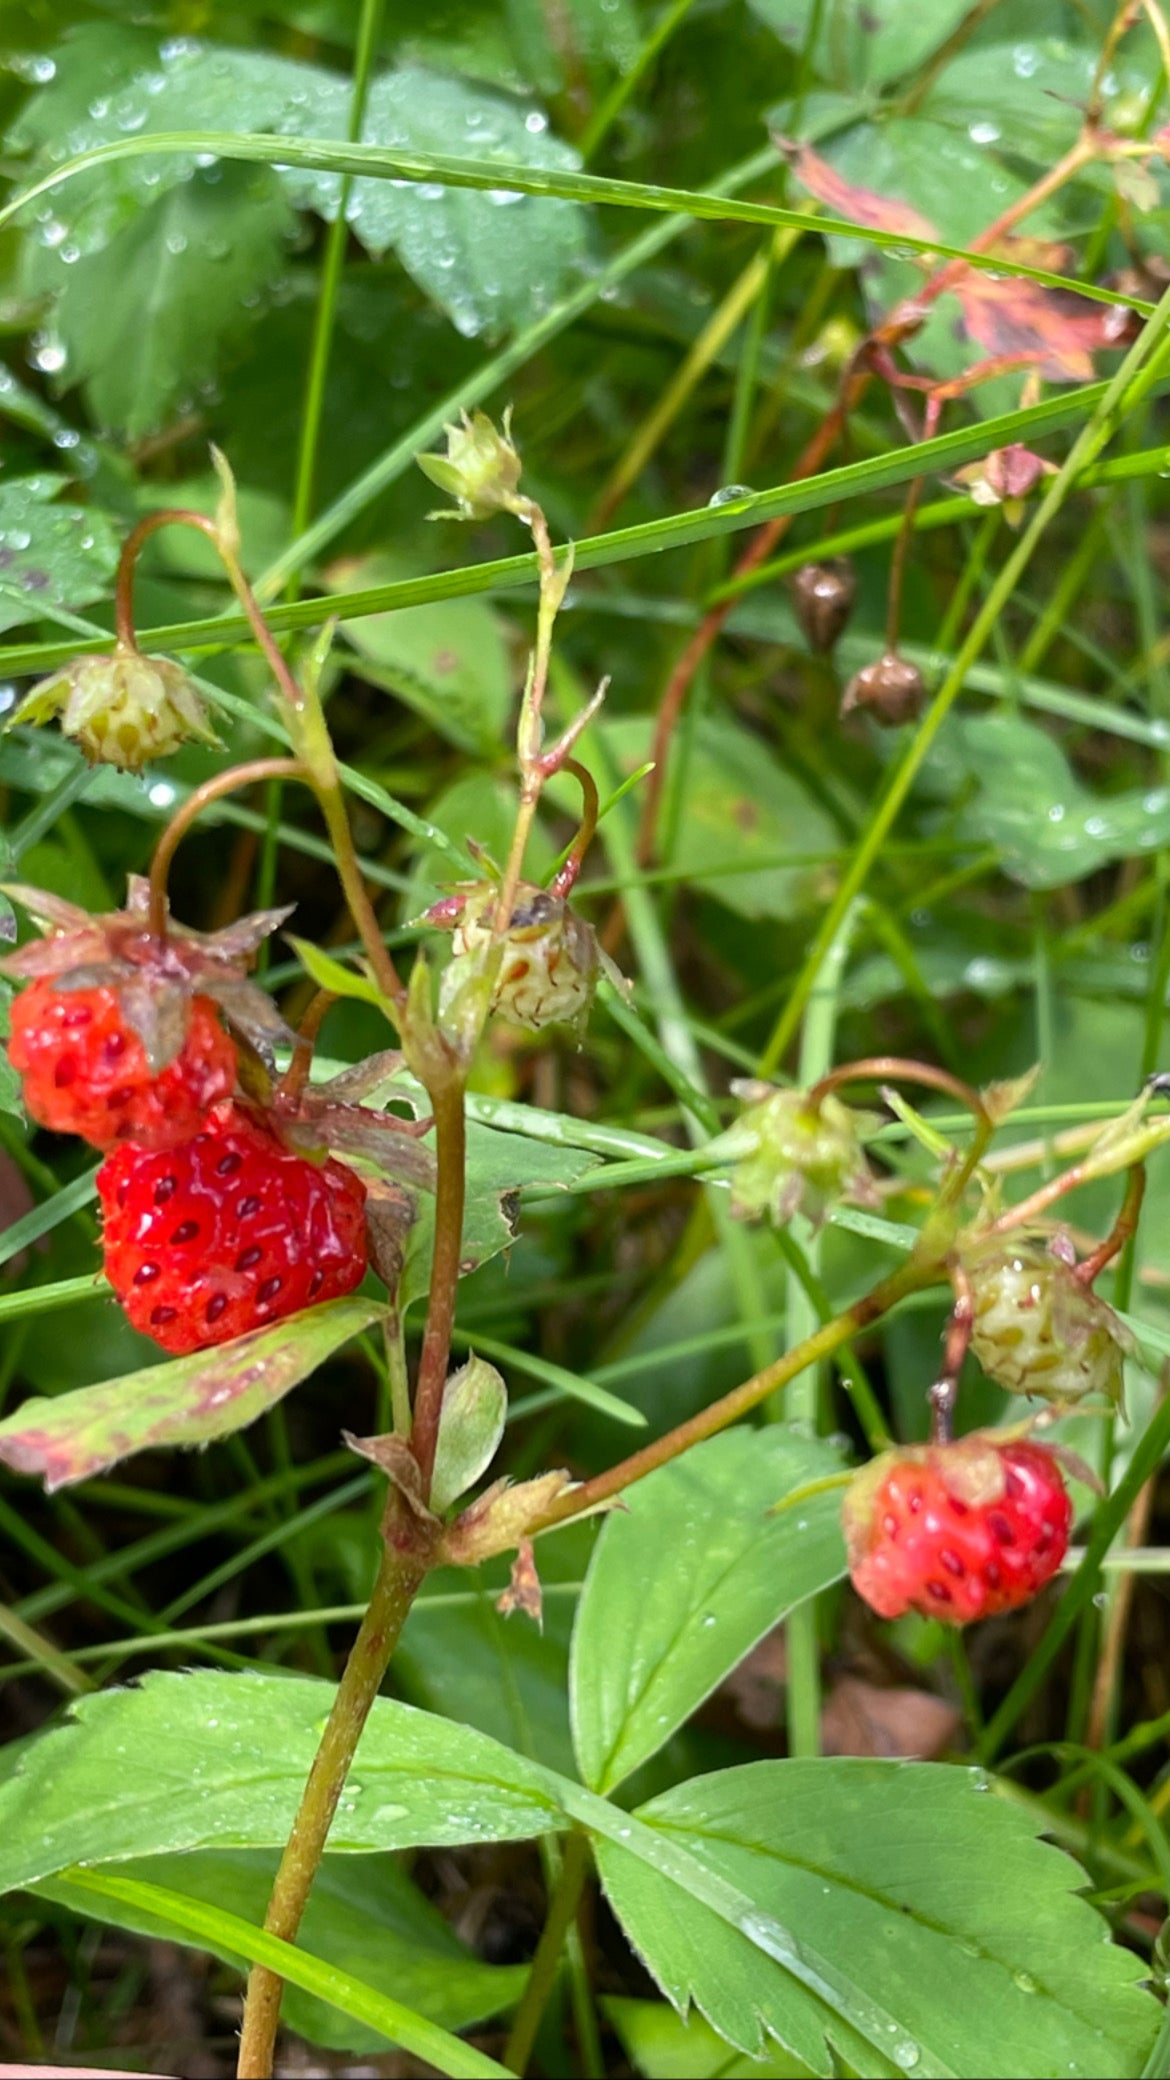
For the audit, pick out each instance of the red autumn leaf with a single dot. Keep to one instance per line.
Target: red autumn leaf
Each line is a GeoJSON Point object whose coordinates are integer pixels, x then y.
{"type": "Point", "coordinates": [859, 205]}
{"type": "Point", "coordinates": [1013, 318]}
{"type": "Point", "coordinates": [1058, 330]}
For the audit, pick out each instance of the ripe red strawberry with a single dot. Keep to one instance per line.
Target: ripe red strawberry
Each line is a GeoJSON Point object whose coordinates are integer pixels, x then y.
{"type": "Point", "coordinates": [85, 1069]}
{"type": "Point", "coordinates": [227, 1232]}
{"type": "Point", "coordinates": [957, 1531]}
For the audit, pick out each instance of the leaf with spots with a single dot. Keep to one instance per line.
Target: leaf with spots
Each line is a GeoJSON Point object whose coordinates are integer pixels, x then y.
{"type": "Point", "coordinates": [189, 1401]}
{"type": "Point", "coordinates": [51, 554]}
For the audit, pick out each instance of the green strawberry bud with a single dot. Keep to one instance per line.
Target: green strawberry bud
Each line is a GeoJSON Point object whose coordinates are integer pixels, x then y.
{"type": "Point", "coordinates": [480, 471]}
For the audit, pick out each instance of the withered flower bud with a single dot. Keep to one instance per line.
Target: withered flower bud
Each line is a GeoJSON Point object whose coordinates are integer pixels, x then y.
{"type": "Point", "coordinates": [123, 709]}
{"type": "Point", "coordinates": [823, 595]}
{"type": "Point", "coordinates": [892, 691]}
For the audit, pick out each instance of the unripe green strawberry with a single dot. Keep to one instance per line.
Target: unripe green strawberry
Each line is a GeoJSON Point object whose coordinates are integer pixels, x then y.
{"type": "Point", "coordinates": [123, 709]}
{"type": "Point", "coordinates": [1039, 1330]}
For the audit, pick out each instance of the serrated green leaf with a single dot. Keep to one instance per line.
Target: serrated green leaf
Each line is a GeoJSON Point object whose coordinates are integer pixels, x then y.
{"type": "Point", "coordinates": [924, 1890]}
{"type": "Point", "coordinates": [224, 1760]}
{"type": "Point", "coordinates": [667, 2046]}
{"type": "Point", "coordinates": [51, 555]}
{"type": "Point", "coordinates": [490, 259]}
{"type": "Point", "coordinates": [186, 1402]}
{"type": "Point", "coordinates": [1047, 826]}
{"type": "Point", "coordinates": [694, 1569]}
{"type": "Point", "coordinates": [364, 1916]}
{"type": "Point", "coordinates": [144, 319]}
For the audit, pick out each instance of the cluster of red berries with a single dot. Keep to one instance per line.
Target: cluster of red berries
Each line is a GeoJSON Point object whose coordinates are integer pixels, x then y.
{"type": "Point", "coordinates": [212, 1224]}
{"type": "Point", "coordinates": [957, 1531]}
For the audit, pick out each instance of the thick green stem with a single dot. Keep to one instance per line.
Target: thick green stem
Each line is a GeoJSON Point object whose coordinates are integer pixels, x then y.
{"type": "Point", "coordinates": [399, 1576]}
{"type": "Point", "coordinates": [562, 1910]}
{"type": "Point", "coordinates": [451, 1157]}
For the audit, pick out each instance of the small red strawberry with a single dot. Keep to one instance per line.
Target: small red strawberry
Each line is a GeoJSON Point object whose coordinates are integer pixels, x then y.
{"type": "Point", "coordinates": [227, 1232]}
{"type": "Point", "coordinates": [956, 1531]}
{"type": "Point", "coordinates": [85, 1069]}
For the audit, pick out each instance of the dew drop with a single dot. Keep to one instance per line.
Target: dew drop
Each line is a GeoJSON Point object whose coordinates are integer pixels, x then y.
{"type": "Point", "coordinates": [905, 2054]}
{"type": "Point", "coordinates": [729, 493]}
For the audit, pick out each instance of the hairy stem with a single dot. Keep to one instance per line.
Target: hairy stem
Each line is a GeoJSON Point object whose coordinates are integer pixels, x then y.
{"type": "Point", "coordinates": [399, 1576]}
{"type": "Point", "coordinates": [451, 1154]}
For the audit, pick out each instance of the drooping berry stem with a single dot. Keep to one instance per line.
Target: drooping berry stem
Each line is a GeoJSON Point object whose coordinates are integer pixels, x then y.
{"type": "Point", "coordinates": [944, 1394]}
{"type": "Point", "coordinates": [895, 1068]}
{"type": "Point", "coordinates": [189, 812]}
{"type": "Point", "coordinates": [566, 875]}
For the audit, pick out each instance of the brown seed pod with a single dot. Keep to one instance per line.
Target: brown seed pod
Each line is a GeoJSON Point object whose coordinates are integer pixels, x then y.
{"type": "Point", "coordinates": [892, 690]}
{"type": "Point", "coordinates": [823, 595]}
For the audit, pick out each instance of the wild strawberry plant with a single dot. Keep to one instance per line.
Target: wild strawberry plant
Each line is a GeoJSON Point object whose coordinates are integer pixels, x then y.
{"type": "Point", "coordinates": [650, 1058]}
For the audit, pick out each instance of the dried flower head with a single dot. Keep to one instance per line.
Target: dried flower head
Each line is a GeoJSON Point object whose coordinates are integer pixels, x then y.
{"type": "Point", "coordinates": [823, 595]}
{"type": "Point", "coordinates": [891, 690]}
{"type": "Point", "coordinates": [155, 979]}
{"type": "Point", "coordinates": [123, 709]}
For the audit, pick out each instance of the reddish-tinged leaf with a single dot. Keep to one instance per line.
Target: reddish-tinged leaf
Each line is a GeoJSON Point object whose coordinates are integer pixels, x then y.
{"type": "Point", "coordinates": [1007, 473]}
{"type": "Point", "coordinates": [859, 205]}
{"type": "Point", "coordinates": [1059, 331]}
{"type": "Point", "coordinates": [188, 1401]}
